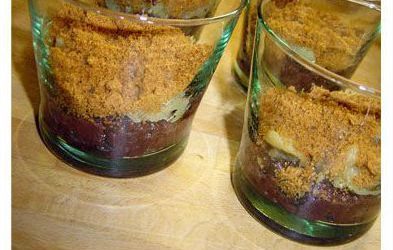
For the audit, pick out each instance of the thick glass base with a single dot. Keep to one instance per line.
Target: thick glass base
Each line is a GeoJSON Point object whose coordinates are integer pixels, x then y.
{"type": "Point", "coordinates": [289, 225]}
{"type": "Point", "coordinates": [118, 168]}
{"type": "Point", "coordinates": [241, 77]}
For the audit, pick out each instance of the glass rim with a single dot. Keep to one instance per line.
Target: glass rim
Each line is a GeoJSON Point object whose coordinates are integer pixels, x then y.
{"type": "Point", "coordinates": [163, 21]}
{"type": "Point", "coordinates": [315, 68]}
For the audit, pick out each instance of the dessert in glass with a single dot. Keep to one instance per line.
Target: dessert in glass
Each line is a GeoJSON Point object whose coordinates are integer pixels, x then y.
{"type": "Point", "coordinates": [309, 161]}
{"type": "Point", "coordinates": [120, 85]}
{"type": "Point", "coordinates": [333, 34]}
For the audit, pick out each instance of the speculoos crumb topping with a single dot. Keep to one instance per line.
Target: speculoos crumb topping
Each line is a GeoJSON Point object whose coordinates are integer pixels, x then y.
{"type": "Point", "coordinates": [334, 41]}
{"type": "Point", "coordinates": [107, 67]}
{"type": "Point", "coordinates": [334, 135]}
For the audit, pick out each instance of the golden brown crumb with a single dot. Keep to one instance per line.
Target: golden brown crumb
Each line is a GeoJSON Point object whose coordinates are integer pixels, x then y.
{"type": "Point", "coordinates": [295, 181]}
{"type": "Point", "coordinates": [334, 41]}
{"type": "Point", "coordinates": [331, 129]}
{"type": "Point", "coordinates": [106, 67]}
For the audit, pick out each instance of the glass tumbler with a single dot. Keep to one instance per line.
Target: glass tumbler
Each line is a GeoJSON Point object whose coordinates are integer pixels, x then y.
{"type": "Point", "coordinates": [334, 34]}
{"type": "Point", "coordinates": [120, 86]}
{"type": "Point", "coordinates": [308, 165]}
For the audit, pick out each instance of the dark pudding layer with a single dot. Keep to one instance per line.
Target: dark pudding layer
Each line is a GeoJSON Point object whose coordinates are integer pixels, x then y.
{"type": "Point", "coordinates": [324, 202]}
{"type": "Point", "coordinates": [116, 137]}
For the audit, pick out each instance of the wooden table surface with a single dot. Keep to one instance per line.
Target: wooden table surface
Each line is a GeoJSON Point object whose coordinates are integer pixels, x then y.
{"type": "Point", "coordinates": [190, 205]}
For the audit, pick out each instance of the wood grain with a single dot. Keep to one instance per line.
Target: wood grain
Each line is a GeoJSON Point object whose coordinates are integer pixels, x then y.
{"type": "Point", "coordinates": [190, 205]}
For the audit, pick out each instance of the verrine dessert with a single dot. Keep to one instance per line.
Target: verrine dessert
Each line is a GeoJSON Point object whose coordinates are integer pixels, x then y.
{"type": "Point", "coordinates": [333, 34]}
{"type": "Point", "coordinates": [119, 91]}
{"type": "Point", "coordinates": [321, 152]}
{"type": "Point", "coordinates": [310, 155]}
